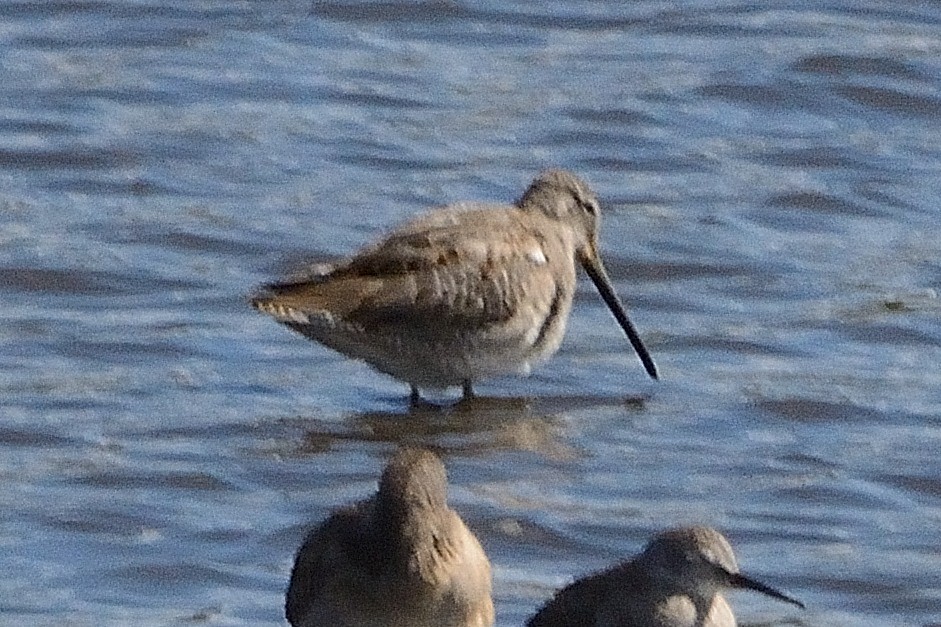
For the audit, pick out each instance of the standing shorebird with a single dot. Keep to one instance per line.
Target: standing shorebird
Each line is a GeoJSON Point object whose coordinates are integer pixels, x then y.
{"type": "Point", "coordinates": [401, 558]}
{"type": "Point", "coordinates": [463, 293]}
{"type": "Point", "coordinates": [676, 582]}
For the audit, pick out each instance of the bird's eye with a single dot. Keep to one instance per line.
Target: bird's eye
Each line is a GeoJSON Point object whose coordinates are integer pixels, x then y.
{"type": "Point", "coordinates": [590, 205]}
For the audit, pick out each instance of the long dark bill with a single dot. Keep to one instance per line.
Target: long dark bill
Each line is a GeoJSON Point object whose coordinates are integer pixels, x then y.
{"type": "Point", "coordinates": [741, 581]}
{"type": "Point", "coordinates": [599, 277]}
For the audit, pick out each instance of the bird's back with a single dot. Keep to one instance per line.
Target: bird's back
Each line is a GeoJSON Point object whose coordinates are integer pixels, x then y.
{"type": "Point", "coordinates": [574, 605]}
{"type": "Point", "coordinates": [626, 596]}
{"type": "Point", "coordinates": [346, 575]}
{"type": "Point", "coordinates": [470, 265]}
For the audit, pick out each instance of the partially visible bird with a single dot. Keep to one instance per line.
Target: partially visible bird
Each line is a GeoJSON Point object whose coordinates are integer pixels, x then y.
{"type": "Point", "coordinates": [462, 293]}
{"type": "Point", "coordinates": [676, 582]}
{"type": "Point", "coordinates": [401, 558]}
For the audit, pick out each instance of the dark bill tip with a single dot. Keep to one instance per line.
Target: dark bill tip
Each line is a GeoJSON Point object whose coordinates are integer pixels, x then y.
{"type": "Point", "coordinates": [599, 277]}
{"type": "Point", "coordinates": [741, 581]}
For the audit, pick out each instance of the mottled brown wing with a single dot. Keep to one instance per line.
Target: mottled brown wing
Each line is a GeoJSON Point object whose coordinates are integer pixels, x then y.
{"type": "Point", "coordinates": [464, 270]}
{"type": "Point", "coordinates": [419, 243]}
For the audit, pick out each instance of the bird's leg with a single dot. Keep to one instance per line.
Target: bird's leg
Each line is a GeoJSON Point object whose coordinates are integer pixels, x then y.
{"type": "Point", "coordinates": [468, 390]}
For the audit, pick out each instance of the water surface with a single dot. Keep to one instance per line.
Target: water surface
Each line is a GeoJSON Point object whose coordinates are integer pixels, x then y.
{"type": "Point", "coordinates": [771, 178]}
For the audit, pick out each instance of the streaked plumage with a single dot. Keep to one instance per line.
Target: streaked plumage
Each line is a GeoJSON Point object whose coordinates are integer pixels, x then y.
{"type": "Point", "coordinates": [401, 558]}
{"type": "Point", "coordinates": [676, 582]}
{"type": "Point", "coordinates": [463, 293]}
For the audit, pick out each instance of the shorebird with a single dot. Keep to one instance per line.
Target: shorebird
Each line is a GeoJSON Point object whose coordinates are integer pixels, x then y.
{"type": "Point", "coordinates": [676, 582]}
{"type": "Point", "coordinates": [401, 558]}
{"type": "Point", "coordinates": [462, 293]}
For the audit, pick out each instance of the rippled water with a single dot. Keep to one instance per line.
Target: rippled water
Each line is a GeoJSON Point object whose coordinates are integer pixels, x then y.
{"type": "Point", "coordinates": [771, 175]}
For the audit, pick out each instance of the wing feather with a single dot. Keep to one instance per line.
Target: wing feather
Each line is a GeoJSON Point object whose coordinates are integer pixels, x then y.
{"type": "Point", "coordinates": [456, 270]}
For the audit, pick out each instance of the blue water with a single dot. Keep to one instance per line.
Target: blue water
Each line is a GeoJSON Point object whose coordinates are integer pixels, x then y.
{"type": "Point", "coordinates": [771, 178]}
